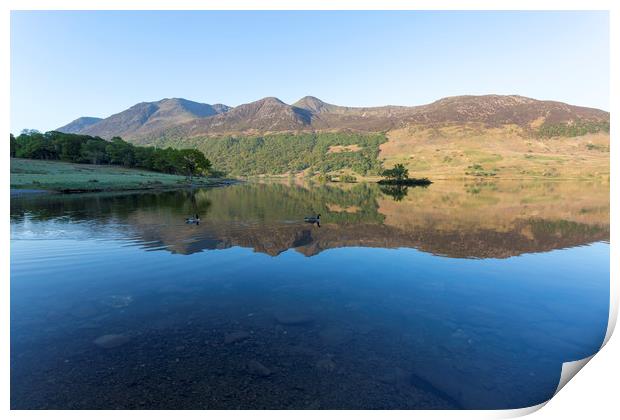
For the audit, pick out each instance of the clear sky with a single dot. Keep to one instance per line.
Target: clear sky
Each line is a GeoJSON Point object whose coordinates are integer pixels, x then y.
{"type": "Point", "coordinates": [70, 64]}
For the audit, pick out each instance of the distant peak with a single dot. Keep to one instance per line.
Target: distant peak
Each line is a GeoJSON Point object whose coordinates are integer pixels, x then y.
{"type": "Point", "coordinates": [171, 100]}
{"type": "Point", "coordinates": [79, 124]}
{"type": "Point", "coordinates": [311, 103]}
{"type": "Point", "coordinates": [310, 99]}
{"type": "Point", "coordinates": [271, 99]}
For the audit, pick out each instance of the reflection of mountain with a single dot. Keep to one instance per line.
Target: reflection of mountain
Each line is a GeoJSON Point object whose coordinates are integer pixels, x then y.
{"type": "Point", "coordinates": [534, 235]}
{"type": "Point", "coordinates": [480, 221]}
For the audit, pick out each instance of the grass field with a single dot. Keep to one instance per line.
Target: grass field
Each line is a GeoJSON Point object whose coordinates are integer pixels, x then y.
{"type": "Point", "coordinates": [470, 152]}
{"type": "Point", "coordinates": [71, 177]}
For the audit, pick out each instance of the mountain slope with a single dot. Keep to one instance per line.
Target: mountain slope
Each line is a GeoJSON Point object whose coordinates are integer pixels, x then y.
{"type": "Point", "coordinates": [267, 114]}
{"type": "Point", "coordinates": [145, 117]}
{"type": "Point", "coordinates": [79, 124]}
{"type": "Point", "coordinates": [495, 110]}
{"type": "Point", "coordinates": [178, 118]}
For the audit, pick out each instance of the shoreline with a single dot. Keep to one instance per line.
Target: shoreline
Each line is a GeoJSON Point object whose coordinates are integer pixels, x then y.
{"type": "Point", "coordinates": [35, 177]}
{"type": "Point", "coordinates": [29, 192]}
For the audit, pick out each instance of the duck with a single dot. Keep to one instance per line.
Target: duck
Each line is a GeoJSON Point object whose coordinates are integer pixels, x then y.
{"type": "Point", "coordinates": [313, 219]}
{"type": "Point", "coordinates": [193, 220]}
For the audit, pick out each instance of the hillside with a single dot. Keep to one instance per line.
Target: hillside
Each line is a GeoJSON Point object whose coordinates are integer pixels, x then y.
{"type": "Point", "coordinates": [461, 136]}
{"type": "Point", "coordinates": [180, 118]}
{"type": "Point", "coordinates": [146, 117]}
{"type": "Point", "coordinates": [79, 124]}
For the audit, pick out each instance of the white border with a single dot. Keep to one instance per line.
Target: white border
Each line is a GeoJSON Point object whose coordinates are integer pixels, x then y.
{"type": "Point", "coordinates": [600, 384]}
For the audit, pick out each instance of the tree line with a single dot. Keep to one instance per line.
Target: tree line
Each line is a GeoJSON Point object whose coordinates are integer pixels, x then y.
{"type": "Point", "coordinates": [77, 148]}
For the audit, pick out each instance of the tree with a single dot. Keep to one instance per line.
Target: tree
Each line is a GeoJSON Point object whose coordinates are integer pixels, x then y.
{"type": "Point", "coordinates": [13, 146]}
{"type": "Point", "coordinates": [35, 146]}
{"type": "Point", "coordinates": [77, 148]}
{"type": "Point", "coordinates": [70, 148]}
{"type": "Point", "coordinates": [398, 173]}
{"type": "Point", "coordinates": [94, 151]}
{"type": "Point", "coordinates": [193, 162]}
{"type": "Point", "coordinates": [120, 152]}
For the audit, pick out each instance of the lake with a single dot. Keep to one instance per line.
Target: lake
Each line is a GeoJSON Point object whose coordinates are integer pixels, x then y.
{"type": "Point", "coordinates": [461, 295]}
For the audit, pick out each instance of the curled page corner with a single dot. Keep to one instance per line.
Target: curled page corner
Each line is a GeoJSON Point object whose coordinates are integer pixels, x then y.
{"type": "Point", "coordinates": [520, 412]}
{"type": "Point", "coordinates": [613, 313]}
{"type": "Point", "coordinates": [570, 369]}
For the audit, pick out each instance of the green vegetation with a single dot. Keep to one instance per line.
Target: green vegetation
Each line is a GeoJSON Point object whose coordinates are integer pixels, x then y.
{"type": "Point", "coordinates": [72, 177]}
{"type": "Point", "coordinates": [324, 178]}
{"type": "Point", "coordinates": [76, 148]}
{"type": "Point", "coordinates": [347, 178]}
{"type": "Point", "coordinates": [281, 153]}
{"type": "Point", "coordinates": [399, 175]}
{"type": "Point", "coordinates": [479, 171]}
{"type": "Point", "coordinates": [577, 128]}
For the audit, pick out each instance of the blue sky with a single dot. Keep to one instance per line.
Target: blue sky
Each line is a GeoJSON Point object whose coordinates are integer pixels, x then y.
{"type": "Point", "coordinates": [70, 64]}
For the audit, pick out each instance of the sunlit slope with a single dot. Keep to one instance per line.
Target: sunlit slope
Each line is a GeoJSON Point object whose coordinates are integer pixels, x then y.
{"type": "Point", "coordinates": [500, 152]}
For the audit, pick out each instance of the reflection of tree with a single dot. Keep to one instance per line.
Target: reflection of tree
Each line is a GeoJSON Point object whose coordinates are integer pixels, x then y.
{"type": "Point", "coordinates": [196, 203]}
{"type": "Point", "coordinates": [397, 192]}
{"type": "Point", "coordinates": [245, 202]}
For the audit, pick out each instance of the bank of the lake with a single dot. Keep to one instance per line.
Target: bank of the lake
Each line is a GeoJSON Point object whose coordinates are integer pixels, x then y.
{"type": "Point", "coordinates": [44, 175]}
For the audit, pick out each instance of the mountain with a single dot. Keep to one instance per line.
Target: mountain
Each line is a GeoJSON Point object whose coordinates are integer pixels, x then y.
{"type": "Point", "coordinates": [496, 110]}
{"type": "Point", "coordinates": [180, 118]}
{"type": "Point", "coordinates": [146, 117]}
{"type": "Point", "coordinates": [265, 115]}
{"type": "Point", "coordinates": [78, 125]}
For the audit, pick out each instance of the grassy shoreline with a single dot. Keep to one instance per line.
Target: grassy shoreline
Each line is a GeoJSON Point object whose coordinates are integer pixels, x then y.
{"type": "Point", "coordinates": [35, 176]}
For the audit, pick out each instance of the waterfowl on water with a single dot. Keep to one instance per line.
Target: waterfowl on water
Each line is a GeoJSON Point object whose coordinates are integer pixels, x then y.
{"type": "Point", "coordinates": [193, 220]}
{"type": "Point", "coordinates": [313, 219]}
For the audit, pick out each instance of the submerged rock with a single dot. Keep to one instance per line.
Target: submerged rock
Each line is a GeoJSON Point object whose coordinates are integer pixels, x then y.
{"type": "Point", "coordinates": [109, 341]}
{"type": "Point", "coordinates": [257, 368]}
{"type": "Point", "coordinates": [236, 337]}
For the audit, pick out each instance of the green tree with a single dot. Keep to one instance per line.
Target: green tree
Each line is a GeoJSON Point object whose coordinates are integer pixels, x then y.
{"type": "Point", "coordinates": [193, 162]}
{"type": "Point", "coordinates": [93, 151]}
{"type": "Point", "coordinates": [398, 173]}
{"type": "Point", "coordinates": [70, 148]}
{"type": "Point", "coordinates": [120, 152]}
{"type": "Point", "coordinates": [13, 146]}
{"type": "Point", "coordinates": [33, 145]}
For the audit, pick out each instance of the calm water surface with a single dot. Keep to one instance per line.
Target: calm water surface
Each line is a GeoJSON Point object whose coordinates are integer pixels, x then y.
{"type": "Point", "coordinates": [455, 296]}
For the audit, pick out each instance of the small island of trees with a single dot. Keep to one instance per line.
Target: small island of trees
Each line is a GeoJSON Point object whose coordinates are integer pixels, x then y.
{"type": "Point", "coordinates": [399, 175]}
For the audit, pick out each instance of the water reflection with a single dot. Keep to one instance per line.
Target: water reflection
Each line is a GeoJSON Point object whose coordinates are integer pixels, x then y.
{"type": "Point", "coordinates": [116, 302]}
{"type": "Point", "coordinates": [477, 221]}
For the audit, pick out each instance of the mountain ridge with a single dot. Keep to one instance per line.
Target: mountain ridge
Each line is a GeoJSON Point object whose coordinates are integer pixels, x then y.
{"type": "Point", "coordinates": [181, 118]}
{"type": "Point", "coordinates": [144, 117]}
